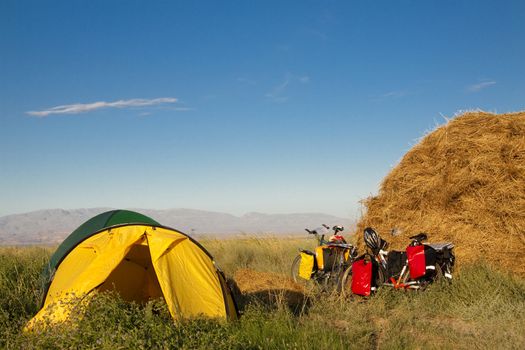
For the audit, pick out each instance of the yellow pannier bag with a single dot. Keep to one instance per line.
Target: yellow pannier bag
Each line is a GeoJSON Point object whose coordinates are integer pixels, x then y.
{"type": "Point", "coordinates": [306, 266]}
{"type": "Point", "coordinates": [319, 253]}
{"type": "Point", "coordinates": [328, 256]}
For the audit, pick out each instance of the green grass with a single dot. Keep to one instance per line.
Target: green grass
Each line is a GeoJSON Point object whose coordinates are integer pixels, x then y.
{"type": "Point", "coordinates": [483, 308]}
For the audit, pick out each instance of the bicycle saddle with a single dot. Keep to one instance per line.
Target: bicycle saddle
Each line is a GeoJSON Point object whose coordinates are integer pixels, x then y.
{"type": "Point", "coordinates": [419, 237]}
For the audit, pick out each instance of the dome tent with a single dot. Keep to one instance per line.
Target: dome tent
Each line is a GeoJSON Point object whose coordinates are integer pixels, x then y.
{"type": "Point", "coordinates": [140, 259]}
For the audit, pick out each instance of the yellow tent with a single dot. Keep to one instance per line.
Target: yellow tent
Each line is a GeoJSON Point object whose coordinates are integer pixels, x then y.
{"type": "Point", "coordinates": [140, 259]}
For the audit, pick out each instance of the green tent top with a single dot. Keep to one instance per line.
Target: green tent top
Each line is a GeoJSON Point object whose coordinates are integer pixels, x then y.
{"type": "Point", "coordinates": [94, 225]}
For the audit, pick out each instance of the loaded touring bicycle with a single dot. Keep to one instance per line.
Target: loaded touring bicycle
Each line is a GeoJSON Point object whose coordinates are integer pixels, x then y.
{"type": "Point", "coordinates": [416, 267]}
{"type": "Point", "coordinates": [326, 265]}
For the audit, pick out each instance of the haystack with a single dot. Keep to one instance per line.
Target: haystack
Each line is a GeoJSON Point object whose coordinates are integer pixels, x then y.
{"type": "Point", "coordinates": [463, 182]}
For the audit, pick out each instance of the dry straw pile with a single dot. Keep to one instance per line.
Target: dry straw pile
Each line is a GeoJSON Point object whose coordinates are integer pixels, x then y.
{"type": "Point", "coordinates": [465, 183]}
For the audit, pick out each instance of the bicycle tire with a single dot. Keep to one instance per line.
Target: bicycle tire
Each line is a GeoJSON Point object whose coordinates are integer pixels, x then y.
{"type": "Point", "coordinates": [332, 281]}
{"type": "Point", "coordinates": [295, 269]}
{"type": "Point", "coordinates": [439, 275]}
{"type": "Point", "coordinates": [345, 285]}
{"type": "Point", "coordinates": [381, 276]}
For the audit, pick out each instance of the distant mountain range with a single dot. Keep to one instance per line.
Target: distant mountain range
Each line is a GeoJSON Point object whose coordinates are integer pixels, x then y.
{"type": "Point", "coordinates": [51, 226]}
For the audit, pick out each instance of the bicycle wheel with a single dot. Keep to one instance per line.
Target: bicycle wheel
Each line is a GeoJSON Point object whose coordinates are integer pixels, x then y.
{"type": "Point", "coordinates": [335, 269]}
{"type": "Point", "coordinates": [296, 264]}
{"type": "Point", "coordinates": [381, 276]}
{"type": "Point", "coordinates": [345, 285]}
{"type": "Point", "coordinates": [332, 280]}
{"type": "Point", "coordinates": [295, 269]}
{"type": "Point", "coordinates": [439, 275]}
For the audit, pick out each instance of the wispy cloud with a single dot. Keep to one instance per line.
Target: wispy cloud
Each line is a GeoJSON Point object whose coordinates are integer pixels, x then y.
{"type": "Point", "coordinates": [304, 79]}
{"type": "Point", "coordinates": [89, 107]}
{"type": "Point", "coordinates": [180, 109]}
{"type": "Point", "coordinates": [480, 86]}
{"type": "Point", "coordinates": [395, 94]}
{"type": "Point", "coordinates": [278, 92]}
{"type": "Point", "coordinates": [391, 95]}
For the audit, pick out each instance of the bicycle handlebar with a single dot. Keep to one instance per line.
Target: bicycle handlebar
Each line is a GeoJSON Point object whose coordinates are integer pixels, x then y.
{"type": "Point", "coordinates": [340, 245]}
{"type": "Point", "coordinates": [419, 237]}
{"type": "Point", "coordinates": [337, 229]}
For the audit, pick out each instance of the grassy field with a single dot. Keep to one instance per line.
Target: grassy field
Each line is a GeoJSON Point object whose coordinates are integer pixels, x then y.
{"type": "Point", "coordinates": [482, 309]}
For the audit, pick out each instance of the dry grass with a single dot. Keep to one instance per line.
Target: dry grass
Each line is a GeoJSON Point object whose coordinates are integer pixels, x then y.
{"type": "Point", "coordinates": [465, 183]}
{"type": "Point", "coordinates": [482, 308]}
{"type": "Point", "coordinates": [250, 281]}
{"type": "Point", "coordinates": [255, 252]}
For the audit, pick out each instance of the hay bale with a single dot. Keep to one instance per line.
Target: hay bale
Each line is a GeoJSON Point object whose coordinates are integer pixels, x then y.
{"type": "Point", "coordinates": [463, 182]}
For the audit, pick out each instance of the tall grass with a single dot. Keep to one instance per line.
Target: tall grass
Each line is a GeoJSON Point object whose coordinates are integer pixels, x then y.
{"type": "Point", "coordinates": [20, 287]}
{"type": "Point", "coordinates": [483, 308]}
{"type": "Point", "coordinates": [267, 253]}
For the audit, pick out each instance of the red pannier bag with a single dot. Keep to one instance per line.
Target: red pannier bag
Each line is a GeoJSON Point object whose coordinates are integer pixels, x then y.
{"type": "Point", "coordinates": [416, 261]}
{"type": "Point", "coordinates": [361, 277]}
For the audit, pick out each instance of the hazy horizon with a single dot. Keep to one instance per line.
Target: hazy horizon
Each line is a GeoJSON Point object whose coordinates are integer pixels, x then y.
{"type": "Point", "coordinates": [168, 209]}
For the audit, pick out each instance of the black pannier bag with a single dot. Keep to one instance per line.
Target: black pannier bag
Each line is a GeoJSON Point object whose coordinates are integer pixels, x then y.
{"type": "Point", "coordinates": [329, 258]}
{"type": "Point", "coordinates": [395, 262]}
{"type": "Point", "coordinates": [445, 258]}
{"type": "Point", "coordinates": [431, 259]}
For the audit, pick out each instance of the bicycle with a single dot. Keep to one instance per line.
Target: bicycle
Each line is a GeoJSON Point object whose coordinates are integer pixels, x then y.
{"type": "Point", "coordinates": [415, 268]}
{"type": "Point", "coordinates": [327, 264]}
{"type": "Point", "coordinates": [378, 248]}
{"type": "Point", "coordinates": [423, 263]}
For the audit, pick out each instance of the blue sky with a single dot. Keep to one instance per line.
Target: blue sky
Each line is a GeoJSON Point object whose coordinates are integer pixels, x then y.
{"type": "Point", "coordinates": [237, 106]}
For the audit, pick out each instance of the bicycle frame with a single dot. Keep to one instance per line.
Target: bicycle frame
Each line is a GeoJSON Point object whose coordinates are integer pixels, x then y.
{"type": "Point", "coordinates": [403, 280]}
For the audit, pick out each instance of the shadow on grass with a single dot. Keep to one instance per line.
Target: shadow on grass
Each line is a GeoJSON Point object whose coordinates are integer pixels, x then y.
{"type": "Point", "coordinates": [272, 299]}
